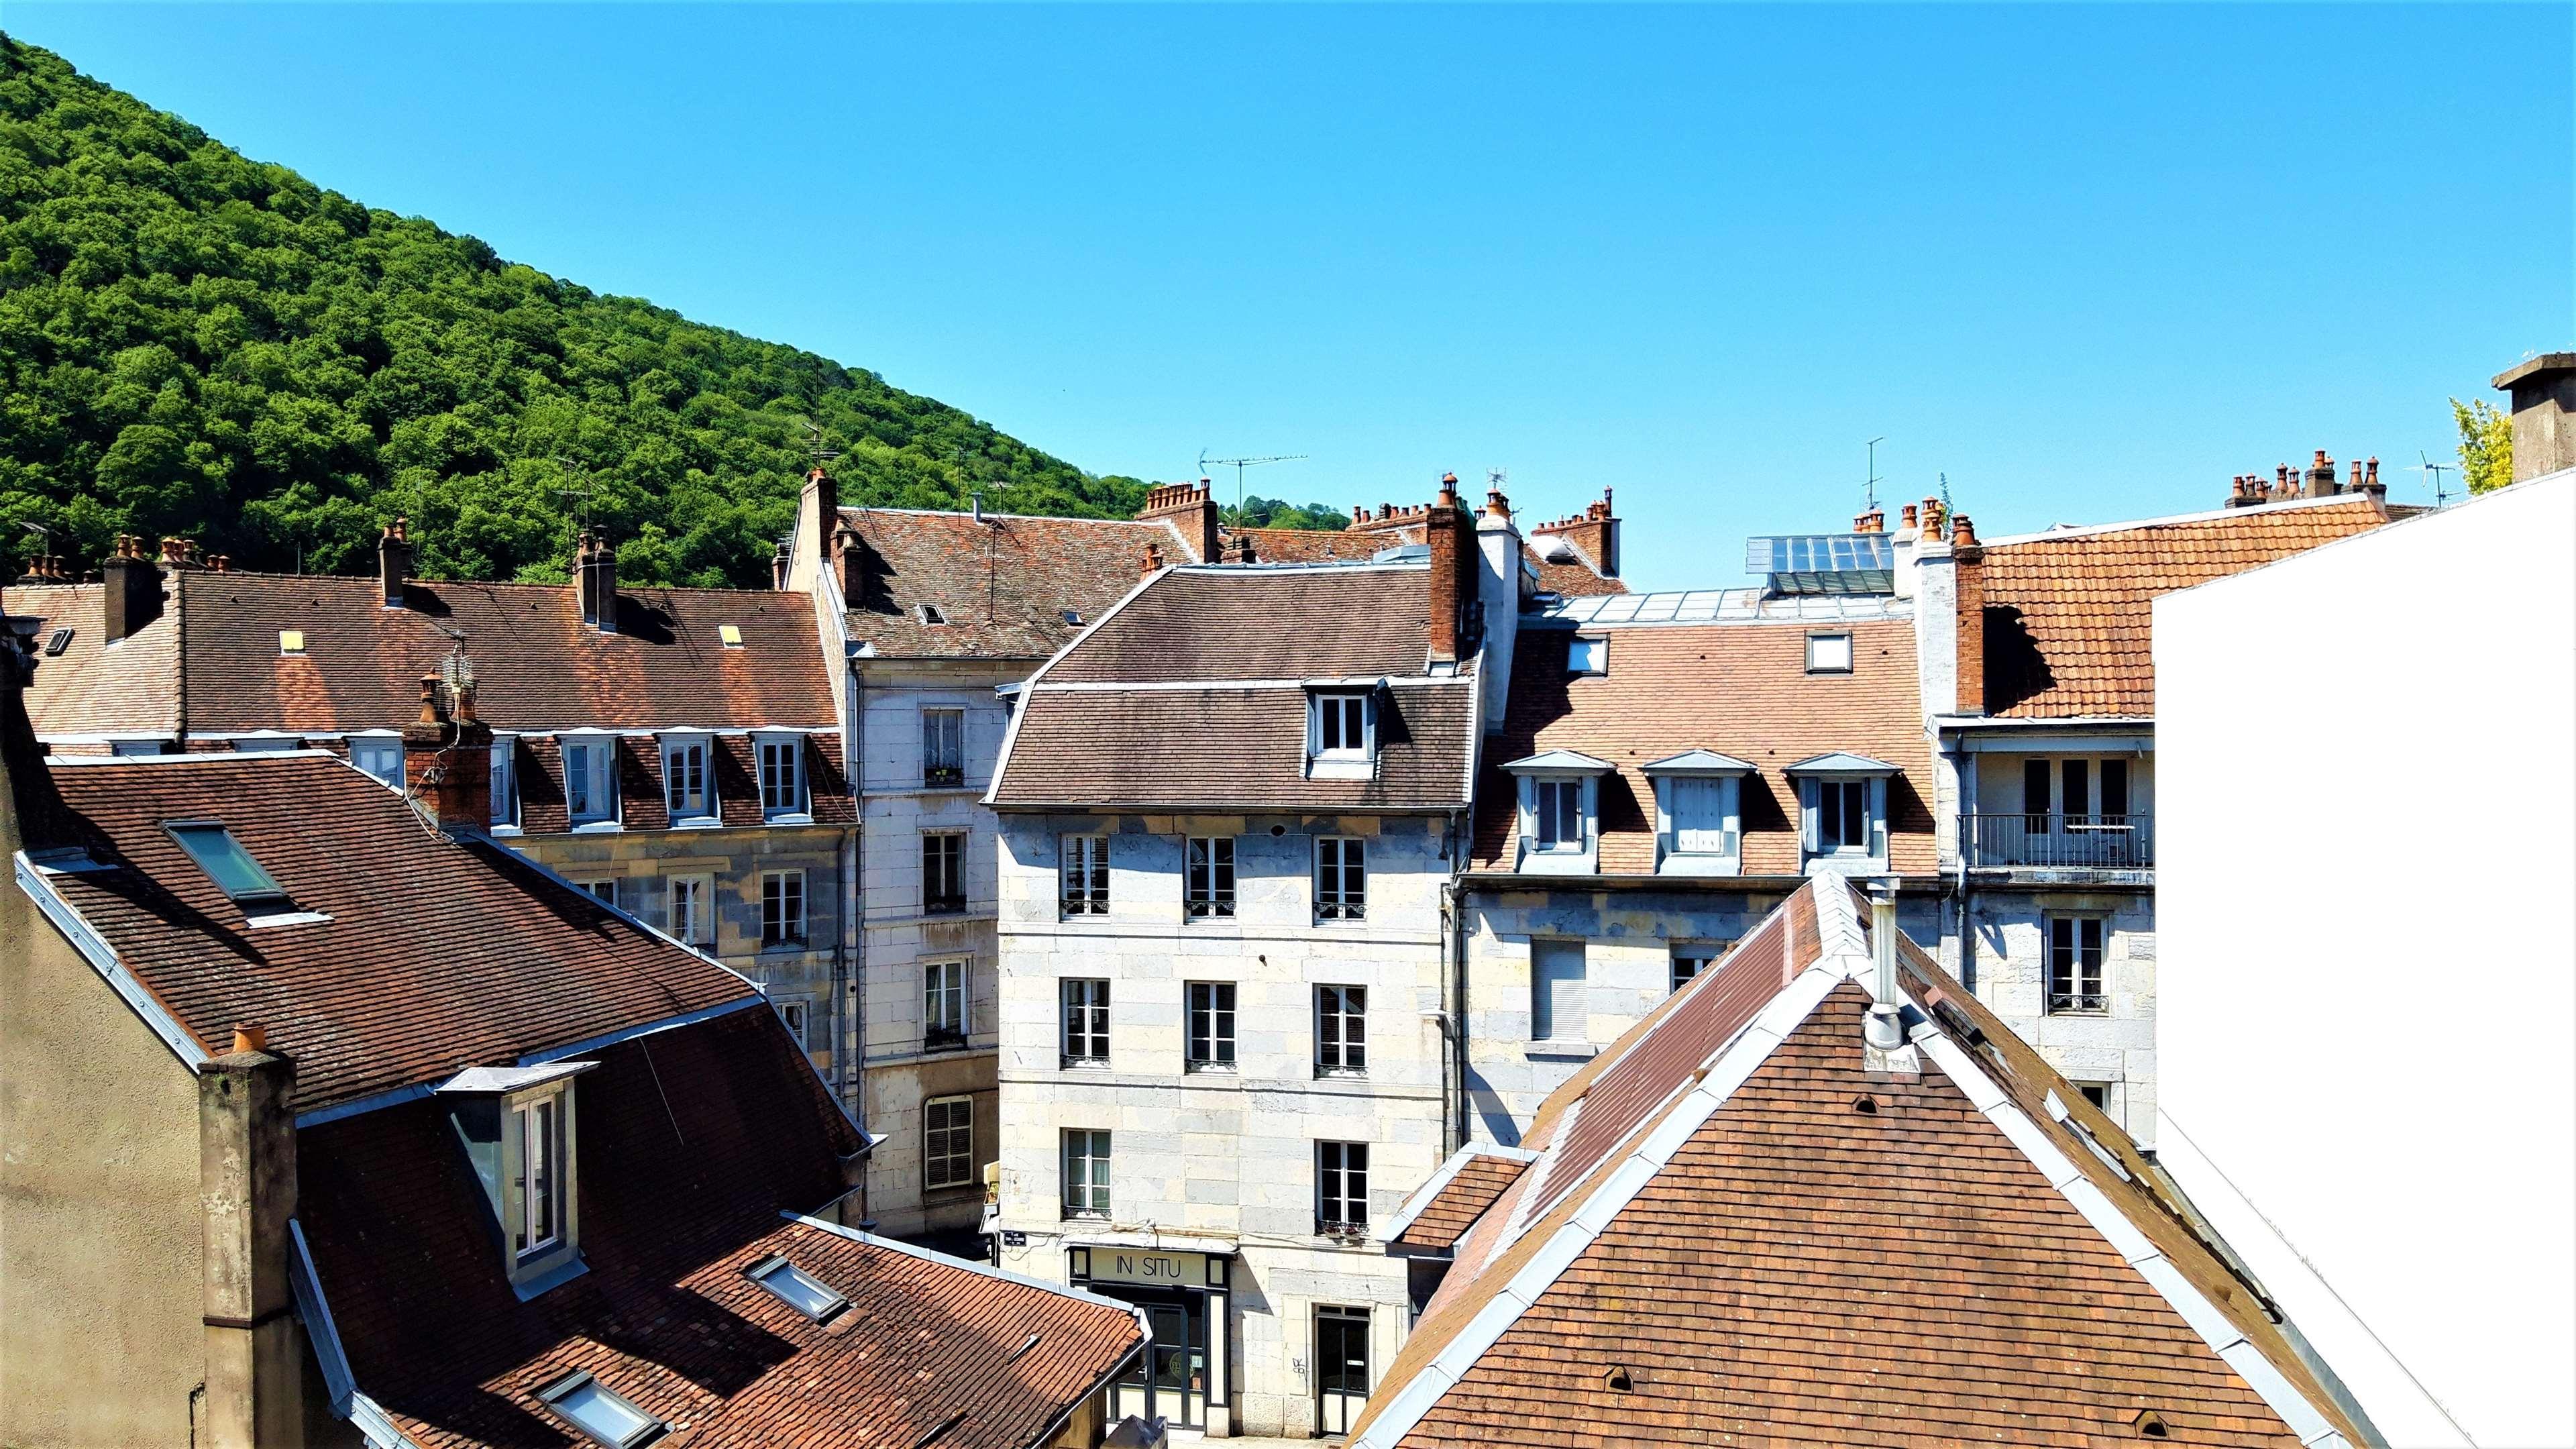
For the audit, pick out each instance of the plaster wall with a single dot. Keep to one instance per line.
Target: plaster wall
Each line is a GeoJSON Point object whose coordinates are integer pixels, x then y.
{"type": "Point", "coordinates": [2365, 1007]}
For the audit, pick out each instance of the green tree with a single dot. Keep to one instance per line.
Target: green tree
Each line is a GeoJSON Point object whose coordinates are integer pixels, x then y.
{"type": "Point", "coordinates": [2486, 445]}
{"type": "Point", "coordinates": [1260, 512]}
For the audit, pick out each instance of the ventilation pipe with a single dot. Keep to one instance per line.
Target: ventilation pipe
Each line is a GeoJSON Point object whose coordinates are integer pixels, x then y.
{"type": "Point", "coordinates": [1885, 1030]}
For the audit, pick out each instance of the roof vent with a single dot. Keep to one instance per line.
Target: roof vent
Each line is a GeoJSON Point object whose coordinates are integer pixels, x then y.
{"type": "Point", "coordinates": [2151, 1425]}
{"type": "Point", "coordinates": [1865, 1105]}
{"type": "Point", "coordinates": [1618, 1378]}
{"type": "Point", "coordinates": [1073, 616]}
{"type": "Point", "coordinates": [730, 635]}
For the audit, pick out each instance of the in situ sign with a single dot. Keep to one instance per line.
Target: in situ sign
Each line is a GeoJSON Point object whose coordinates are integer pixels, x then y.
{"type": "Point", "coordinates": [1144, 1265]}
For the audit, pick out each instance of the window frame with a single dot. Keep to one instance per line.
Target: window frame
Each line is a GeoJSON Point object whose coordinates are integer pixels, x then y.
{"type": "Point", "coordinates": [775, 922]}
{"type": "Point", "coordinates": [555, 1394]}
{"type": "Point", "coordinates": [937, 990]}
{"type": "Point", "coordinates": [1209, 1042]}
{"type": "Point", "coordinates": [953, 901]}
{"type": "Point", "coordinates": [260, 890]}
{"type": "Point", "coordinates": [1578, 665]}
{"type": "Point", "coordinates": [936, 776]}
{"type": "Point", "coordinates": [689, 758]}
{"type": "Point", "coordinates": [1208, 882]}
{"type": "Point", "coordinates": [692, 927]}
{"type": "Point", "coordinates": [1090, 1199]}
{"type": "Point", "coordinates": [1339, 1167]}
{"type": "Point", "coordinates": [1346, 759]}
{"type": "Point", "coordinates": [796, 1013]}
{"type": "Point", "coordinates": [2075, 1001]}
{"type": "Point", "coordinates": [1341, 900]}
{"type": "Point", "coordinates": [776, 1266]}
{"type": "Point", "coordinates": [604, 890]}
{"type": "Point", "coordinates": [1340, 1015]}
{"type": "Point", "coordinates": [1090, 996]}
{"type": "Point", "coordinates": [1542, 1001]}
{"type": "Point", "coordinates": [380, 746]}
{"type": "Point", "coordinates": [1084, 854]}
{"type": "Point", "coordinates": [528, 1254]}
{"type": "Point", "coordinates": [962, 1152]}
{"type": "Point", "coordinates": [1873, 790]}
{"type": "Point", "coordinates": [1828, 637]}
{"type": "Point", "coordinates": [1707, 957]}
{"type": "Point", "coordinates": [505, 782]}
{"type": "Point", "coordinates": [795, 805]}
{"type": "Point", "coordinates": [598, 782]}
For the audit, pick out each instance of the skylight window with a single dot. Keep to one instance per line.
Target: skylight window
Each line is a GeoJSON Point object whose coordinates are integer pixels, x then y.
{"type": "Point", "coordinates": [57, 642]}
{"type": "Point", "coordinates": [222, 858]}
{"type": "Point", "coordinates": [597, 1411]}
{"type": "Point", "coordinates": [930, 614]}
{"type": "Point", "coordinates": [731, 634]}
{"type": "Point", "coordinates": [290, 641]}
{"type": "Point", "coordinates": [797, 1288]}
{"type": "Point", "coordinates": [1073, 616]}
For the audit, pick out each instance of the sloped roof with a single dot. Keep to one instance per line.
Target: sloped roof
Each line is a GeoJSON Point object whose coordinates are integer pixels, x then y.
{"type": "Point", "coordinates": [694, 1143]}
{"type": "Point", "coordinates": [1003, 585]}
{"type": "Point", "coordinates": [436, 956]}
{"type": "Point", "coordinates": [1444, 1208]}
{"type": "Point", "coordinates": [1572, 578]}
{"type": "Point", "coordinates": [1235, 623]}
{"type": "Point", "coordinates": [1734, 689]}
{"type": "Point", "coordinates": [1977, 1257]}
{"type": "Point", "coordinates": [93, 687]}
{"type": "Point", "coordinates": [2069, 617]}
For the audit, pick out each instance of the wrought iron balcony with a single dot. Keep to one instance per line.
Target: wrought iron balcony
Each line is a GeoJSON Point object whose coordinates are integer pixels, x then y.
{"type": "Point", "coordinates": [2062, 842]}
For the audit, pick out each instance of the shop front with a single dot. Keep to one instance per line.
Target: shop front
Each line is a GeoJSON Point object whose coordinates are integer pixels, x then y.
{"type": "Point", "coordinates": [1182, 1376]}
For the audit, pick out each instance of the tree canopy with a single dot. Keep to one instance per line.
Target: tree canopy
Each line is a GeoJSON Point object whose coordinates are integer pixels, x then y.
{"type": "Point", "coordinates": [1260, 512]}
{"type": "Point", "coordinates": [2486, 445]}
{"type": "Point", "coordinates": [196, 343]}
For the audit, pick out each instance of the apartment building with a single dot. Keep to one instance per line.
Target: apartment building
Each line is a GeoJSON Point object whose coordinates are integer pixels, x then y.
{"type": "Point", "coordinates": [1228, 817]}
{"type": "Point", "coordinates": [673, 751]}
{"type": "Point", "coordinates": [334, 1120]}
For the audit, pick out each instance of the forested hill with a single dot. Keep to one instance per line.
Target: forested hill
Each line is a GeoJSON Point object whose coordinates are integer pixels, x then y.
{"type": "Point", "coordinates": [196, 343]}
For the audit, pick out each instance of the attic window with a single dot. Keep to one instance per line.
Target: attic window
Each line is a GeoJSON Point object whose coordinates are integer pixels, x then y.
{"type": "Point", "coordinates": [797, 1289]}
{"type": "Point", "coordinates": [598, 1412]}
{"type": "Point", "coordinates": [930, 614]}
{"type": "Point", "coordinates": [230, 867]}
{"type": "Point", "coordinates": [1588, 656]}
{"type": "Point", "coordinates": [290, 641]}
{"type": "Point", "coordinates": [1829, 654]}
{"type": "Point", "coordinates": [731, 634]}
{"type": "Point", "coordinates": [57, 642]}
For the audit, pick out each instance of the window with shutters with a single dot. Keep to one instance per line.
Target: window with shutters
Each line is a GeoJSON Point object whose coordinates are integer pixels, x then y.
{"type": "Point", "coordinates": [1086, 1022]}
{"type": "Point", "coordinates": [1082, 864]}
{"type": "Point", "coordinates": [1557, 814]}
{"type": "Point", "coordinates": [1341, 1031]}
{"type": "Point", "coordinates": [1341, 878]}
{"type": "Point", "coordinates": [1211, 1027]}
{"type": "Point", "coordinates": [1559, 1009]}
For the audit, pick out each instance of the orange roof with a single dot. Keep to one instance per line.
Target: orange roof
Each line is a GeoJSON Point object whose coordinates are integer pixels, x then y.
{"type": "Point", "coordinates": [1737, 1228]}
{"type": "Point", "coordinates": [1448, 1205]}
{"type": "Point", "coordinates": [2068, 615]}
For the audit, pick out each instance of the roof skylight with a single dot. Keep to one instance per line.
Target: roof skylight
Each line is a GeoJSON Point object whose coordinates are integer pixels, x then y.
{"type": "Point", "coordinates": [57, 642]}
{"type": "Point", "coordinates": [290, 641]}
{"type": "Point", "coordinates": [797, 1288]}
{"type": "Point", "coordinates": [597, 1411]}
{"type": "Point", "coordinates": [731, 634]}
{"type": "Point", "coordinates": [212, 846]}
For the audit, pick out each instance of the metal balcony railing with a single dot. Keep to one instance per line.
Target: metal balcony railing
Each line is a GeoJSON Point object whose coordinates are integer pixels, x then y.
{"type": "Point", "coordinates": [2077, 842]}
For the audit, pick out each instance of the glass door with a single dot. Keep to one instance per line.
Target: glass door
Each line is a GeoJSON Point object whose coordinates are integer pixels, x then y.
{"type": "Point", "coordinates": [1176, 1362]}
{"type": "Point", "coordinates": [1341, 1367]}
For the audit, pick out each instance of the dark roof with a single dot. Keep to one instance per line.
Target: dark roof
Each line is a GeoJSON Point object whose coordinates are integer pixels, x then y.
{"type": "Point", "coordinates": [1791, 1267]}
{"type": "Point", "coordinates": [691, 1144]}
{"type": "Point", "coordinates": [1003, 585]}
{"type": "Point", "coordinates": [1361, 542]}
{"type": "Point", "coordinates": [2069, 618]}
{"type": "Point", "coordinates": [436, 956]}
{"type": "Point", "coordinates": [1736, 689]}
{"type": "Point", "coordinates": [1217, 624]}
{"type": "Point", "coordinates": [212, 661]}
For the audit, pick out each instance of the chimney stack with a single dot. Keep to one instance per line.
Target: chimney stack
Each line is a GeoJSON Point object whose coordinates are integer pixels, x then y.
{"type": "Point", "coordinates": [1191, 509]}
{"type": "Point", "coordinates": [1968, 568]}
{"type": "Point", "coordinates": [1873, 520]}
{"type": "Point", "coordinates": [133, 589]}
{"type": "Point", "coordinates": [594, 580]}
{"type": "Point", "coordinates": [254, 1394]}
{"type": "Point", "coordinates": [1884, 1030]}
{"type": "Point", "coordinates": [779, 565]}
{"type": "Point", "coordinates": [1499, 584]}
{"type": "Point", "coordinates": [2544, 413]}
{"type": "Point", "coordinates": [1908, 533]}
{"type": "Point", "coordinates": [1595, 531]}
{"type": "Point", "coordinates": [1448, 535]}
{"type": "Point", "coordinates": [2321, 477]}
{"type": "Point", "coordinates": [447, 760]}
{"type": "Point", "coordinates": [393, 560]}
{"type": "Point", "coordinates": [1153, 563]}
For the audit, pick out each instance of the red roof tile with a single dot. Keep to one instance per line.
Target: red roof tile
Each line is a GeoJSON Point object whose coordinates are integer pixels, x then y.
{"type": "Point", "coordinates": [93, 688]}
{"type": "Point", "coordinates": [2069, 620]}
{"type": "Point", "coordinates": [1479, 1181]}
{"type": "Point", "coordinates": [1002, 586]}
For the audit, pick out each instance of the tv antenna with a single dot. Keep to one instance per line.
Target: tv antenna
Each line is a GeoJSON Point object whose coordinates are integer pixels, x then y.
{"type": "Point", "coordinates": [2433, 472]}
{"type": "Point", "coordinates": [576, 499]}
{"type": "Point", "coordinates": [814, 447]}
{"type": "Point", "coordinates": [1238, 465]}
{"type": "Point", "coordinates": [1869, 487]}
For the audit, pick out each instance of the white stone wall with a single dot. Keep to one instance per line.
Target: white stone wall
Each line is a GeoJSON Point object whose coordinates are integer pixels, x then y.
{"type": "Point", "coordinates": [1219, 1155]}
{"type": "Point", "coordinates": [2115, 1046]}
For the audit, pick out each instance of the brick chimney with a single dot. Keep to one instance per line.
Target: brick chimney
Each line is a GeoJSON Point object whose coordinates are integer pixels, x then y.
{"type": "Point", "coordinates": [581, 579]}
{"type": "Point", "coordinates": [1450, 535]}
{"type": "Point", "coordinates": [1191, 508]}
{"type": "Point", "coordinates": [850, 563]}
{"type": "Point", "coordinates": [393, 561]}
{"type": "Point", "coordinates": [133, 588]}
{"type": "Point", "coordinates": [1595, 531]}
{"type": "Point", "coordinates": [1153, 561]}
{"type": "Point", "coordinates": [447, 759]}
{"type": "Point", "coordinates": [2544, 413]}
{"type": "Point", "coordinates": [2322, 482]}
{"type": "Point", "coordinates": [254, 1395]}
{"type": "Point", "coordinates": [1968, 571]}
{"type": "Point", "coordinates": [594, 581]}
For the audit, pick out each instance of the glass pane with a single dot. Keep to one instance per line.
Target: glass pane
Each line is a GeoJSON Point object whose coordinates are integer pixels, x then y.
{"type": "Point", "coordinates": [602, 1414]}
{"type": "Point", "coordinates": [224, 861]}
{"type": "Point", "coordinates": [800, 1291]}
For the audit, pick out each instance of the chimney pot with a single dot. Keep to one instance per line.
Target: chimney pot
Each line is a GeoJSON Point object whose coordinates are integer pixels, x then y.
{"type": "Point", "coordinates": [1153, 561]}
{"type": "Point", "coordinates": [250, 1037]}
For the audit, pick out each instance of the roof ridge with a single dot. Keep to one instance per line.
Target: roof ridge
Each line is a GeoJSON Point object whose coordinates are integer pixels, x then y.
{"type": "Point", "coordinates": [2092, 530]}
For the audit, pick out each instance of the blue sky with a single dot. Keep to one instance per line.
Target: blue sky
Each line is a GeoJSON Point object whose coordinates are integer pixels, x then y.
{"type": "Point", "coordinates": [2088, 261]}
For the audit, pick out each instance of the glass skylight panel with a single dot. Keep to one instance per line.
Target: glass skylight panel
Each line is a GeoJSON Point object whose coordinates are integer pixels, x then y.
{"type": "Point", "coordinates": [224, 861]}
{"type": "Point", "coordinates": [797, 1288]}
{"type": "Point", "coordinates": [600, 1413]}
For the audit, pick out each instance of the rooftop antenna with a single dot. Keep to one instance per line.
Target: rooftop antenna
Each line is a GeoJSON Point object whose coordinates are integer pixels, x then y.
{"type": "Point", "coordinates": [2434, 471]}
{"type": "Point", "coordinates": [814, 447]}
{"type": "Point", "coordinates": [1238, 465]}
{"type": "Point", "coordinates": [576, 500]}
{"type": "Point", "coordinates": [1869, 489]}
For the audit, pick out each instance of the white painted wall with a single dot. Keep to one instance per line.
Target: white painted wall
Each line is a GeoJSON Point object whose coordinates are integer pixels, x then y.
{"type": "Point", "coordinates": [2368, 1021]}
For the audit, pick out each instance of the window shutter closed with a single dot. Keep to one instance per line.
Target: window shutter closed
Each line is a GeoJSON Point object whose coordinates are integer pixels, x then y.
{"type": "Point", "coordinates": [1878, 817]}
{"type": "Point", "coordinates": [1807, 810]}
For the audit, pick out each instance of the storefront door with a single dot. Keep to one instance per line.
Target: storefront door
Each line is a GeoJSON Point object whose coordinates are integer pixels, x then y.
{"type": "Point", "coordinates": [1341, 1367]}
{"type": "Point", "coordinates": [1176, 1362]}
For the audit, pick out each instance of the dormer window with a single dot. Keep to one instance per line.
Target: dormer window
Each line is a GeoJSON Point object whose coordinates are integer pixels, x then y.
{"type": "Point", "coordinates": [1560, 811]}
{"type": "Point", "coordinates": [505, 781]}
{"type": "Point", "coordinates": [380, 756]}
{"type": "Point", "coordinates": [242, 880]}
{"type": "Point", "coordinates": [590, 779]}
{"type": "Point", "coordinates": [782, 777]}
{"type": "Point", "coordinates": [687, 781]}
{"type": "Point", "coordinates": [1842, 812]}
{"type": "Point", "coordinates": [599, 1413]}
{"type": "Point", "coordinates": [1699, 814]}
{"type": "Point", "coordinates": [517, 1127]}
{"type": "Point", "coordinates": [1341, 734]}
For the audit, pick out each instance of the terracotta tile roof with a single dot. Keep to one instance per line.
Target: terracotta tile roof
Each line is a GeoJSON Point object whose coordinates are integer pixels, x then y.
{"type": "Point", "coordinates": [1003, 586]}
{"type": "Point", "coordinates": [1736, 689]}
{"type": "Point", "coordinates": [1225, 748]}
{"type": "Point", "coordinates": [1356, 544]}
{"type": "Point", "coordinates": [2068, 619]}
{"type": "Point", "coordinates": [1218, 624]}
{"type": "Point", "coordinates": [692, 1143]}
{"type": "Point", "coordinates": [437, 955]}
{"type": "Point", "coordinates": [92, 688]}
{"type": "Point", "coordinates": [1479, 1181]}
{"type": "Point", "coordinates": [1791, 1269]}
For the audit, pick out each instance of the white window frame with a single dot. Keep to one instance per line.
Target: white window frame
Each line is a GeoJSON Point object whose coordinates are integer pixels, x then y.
{"type": "Point", "coordinates": [689, 764]}
{"type": "Point", "coordinates": [1339, 860]}
{"type": "Point", "coordinates": [817, 1300]}
{"type": "Point", "coordinates": [1540, 796]}
{"type": "Point", "coordinates": [505, 782]}
{"type": "Point", "coordinates": [556, 1394]}
{"type": "Point", "coordinates": [782, 939]}
{"type": "Point", "coordinates": [604, 890]}
{"type": "Point", "coordinates": [1082, 1021]}
{"type": "Point", "coordinates": [948, 1142]}
{"type": "Point", "coordinates": [935, 720]}
{"type": "Point", "coordinates": [1820, 660]}
{"type": "Point", "coordinates": [1341, 1014]}
{"type": "Point", "coordinates": [1328, 714]}
{"type": "Point", "coordinates": [2076, 922]}
{"type": "Point", "coordinates": [1672, 790]}
{"type": "Point", "coordinates": [943, 983]}
{"type": "Point", "coordinates": [1873, 793]}
{"type": "Point", "coordinates": [1090, 1198]}
{"type": "Point", "coordinates": [383, 748]}
{"type": "Point", "coordinates": [598, 779]}
{"type": "Point", "coordinates": [1208, 877]}
{"type": "Point", "coordinates": [1341, 1188]}
{"type": "Point", "coordinates": [1082, 875]}
{"type": "Point", "coordinates": [1703, 957]}
{"type": "Point", "coordinates": [692, 925]}
{"type": "Point", "coordinates": [796, 1013]}
{"type": "Point", "coordinates": [793, 805]}
{"type": "Point", "coordinates": [1209, 1045]}
{"type": "Point", "coordinates": [530, 1256]}
{"type": "Point", "coordinates": [1587, 656]}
